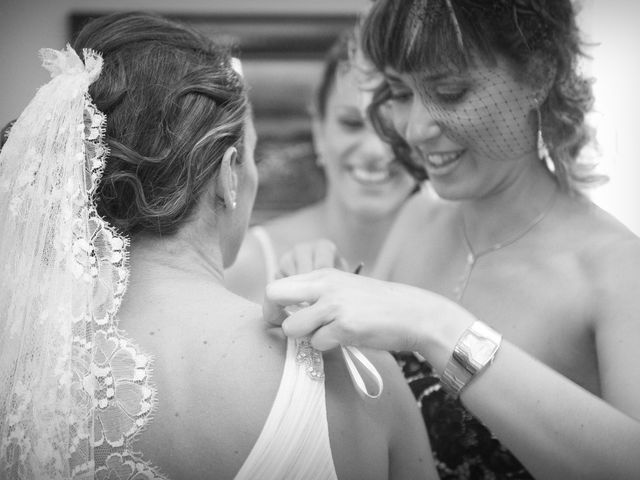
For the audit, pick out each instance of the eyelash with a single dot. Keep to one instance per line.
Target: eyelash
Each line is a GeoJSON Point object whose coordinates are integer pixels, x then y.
{"type": "Point", "coordinates": [400, 96]}
{"type": "Point", "coordinates": [450, 97]}
{"type": "Point", "coordinates": [352, 123]}
{"type": "Point", "coordinates": [446, 97]}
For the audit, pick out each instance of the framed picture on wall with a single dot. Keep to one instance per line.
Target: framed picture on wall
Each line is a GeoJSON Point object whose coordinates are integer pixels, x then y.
{"type": "Point", "coordinates": [282, 57]}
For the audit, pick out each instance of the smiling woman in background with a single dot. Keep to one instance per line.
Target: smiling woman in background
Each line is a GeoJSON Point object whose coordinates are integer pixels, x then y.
{"type": "Point", "coordinates": [366, 186]}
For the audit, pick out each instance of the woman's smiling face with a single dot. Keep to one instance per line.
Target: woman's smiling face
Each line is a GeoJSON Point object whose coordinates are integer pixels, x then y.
{"type": "Point", "coordinates": [471, 130]}
{"type": "Point", "coordinates": [361, 171]}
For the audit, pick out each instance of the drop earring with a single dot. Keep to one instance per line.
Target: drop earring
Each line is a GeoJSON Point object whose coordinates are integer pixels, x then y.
{"type": "Point", "coordinates": [232, 197]}
{"type": "Point", "coordinates": [543, 149]}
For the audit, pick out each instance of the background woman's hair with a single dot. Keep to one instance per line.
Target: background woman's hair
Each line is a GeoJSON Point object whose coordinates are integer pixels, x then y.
{"type": "Point", "coordinates": [173, 104]}
{"type": "Point", "coordinates": [539, 38]}
{"type": "Point", "coordinates": [336, 58]}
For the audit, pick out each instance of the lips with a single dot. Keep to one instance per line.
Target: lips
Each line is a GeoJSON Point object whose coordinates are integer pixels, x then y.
{"type": "Point", "coordinates": [442, 162]}
{"type": "Point", "coordinates": [371, 174]}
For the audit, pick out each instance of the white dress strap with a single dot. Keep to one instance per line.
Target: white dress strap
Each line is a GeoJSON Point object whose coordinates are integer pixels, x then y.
{"type": "Point", "coordinates": [294, 442]}
{"type": "Point", "coordinates": [268, 251]}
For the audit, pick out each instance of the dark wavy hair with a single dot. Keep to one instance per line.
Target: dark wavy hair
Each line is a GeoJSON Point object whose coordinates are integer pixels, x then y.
{"type": "Point", "coordinates": [174, 105]}
{"type": "Point", "coordinates": [336, 58]}
{"type": "Point", "coordinates": [539, 39]}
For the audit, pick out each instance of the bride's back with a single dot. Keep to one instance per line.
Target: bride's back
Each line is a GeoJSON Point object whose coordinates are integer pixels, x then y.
{"type": "Point", "coordinates": [217, 368]}
{"type": "Point", "coordinates": [216, 373]}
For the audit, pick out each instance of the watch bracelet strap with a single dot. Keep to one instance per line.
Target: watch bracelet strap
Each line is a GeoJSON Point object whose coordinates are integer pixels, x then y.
{"type": "Point", "coordinates": [462, 368]}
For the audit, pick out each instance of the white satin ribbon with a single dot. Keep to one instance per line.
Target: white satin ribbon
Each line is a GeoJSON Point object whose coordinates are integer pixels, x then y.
{"type": "Point", "coordinates": [350, 354]}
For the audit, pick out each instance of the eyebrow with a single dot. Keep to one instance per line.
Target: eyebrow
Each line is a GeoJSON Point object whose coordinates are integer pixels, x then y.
{"type": "Point", "coordinates": [433, 77]}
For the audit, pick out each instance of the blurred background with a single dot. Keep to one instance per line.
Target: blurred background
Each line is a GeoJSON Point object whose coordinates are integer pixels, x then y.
{"type": "Point", "coordinates": [282, 44]}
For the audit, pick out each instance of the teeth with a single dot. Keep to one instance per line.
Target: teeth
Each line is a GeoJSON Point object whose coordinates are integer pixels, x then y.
{"type": "Point", "coordinates": [439, 159]}
{"type": "Point", "coordinates": [370, 176]}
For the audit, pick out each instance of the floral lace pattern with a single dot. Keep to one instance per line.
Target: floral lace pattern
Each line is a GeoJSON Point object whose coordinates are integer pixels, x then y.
{"type": "Point", "coordinates": [78, 391]}
{"type": "Point", "coordinates": [463, 447]}
{"type": "Point", "coordinates": [116, 380]}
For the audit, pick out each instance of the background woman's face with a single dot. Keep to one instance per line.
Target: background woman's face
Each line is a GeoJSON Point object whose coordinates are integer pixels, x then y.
{"type": "Point", "coordinates": [361, 173]}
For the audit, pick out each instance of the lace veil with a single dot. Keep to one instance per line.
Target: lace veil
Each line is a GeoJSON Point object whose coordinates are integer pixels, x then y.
{"type": "Point", "coordinates": [73, 391]}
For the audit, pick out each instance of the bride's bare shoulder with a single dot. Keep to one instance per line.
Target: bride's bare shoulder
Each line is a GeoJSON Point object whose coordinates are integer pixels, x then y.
{"type": "Point", "coordinates": [196, 315]}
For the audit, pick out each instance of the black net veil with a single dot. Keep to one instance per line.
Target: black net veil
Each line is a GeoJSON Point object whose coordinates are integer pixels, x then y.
{"type": "Point", "coordinates": [515, 63]}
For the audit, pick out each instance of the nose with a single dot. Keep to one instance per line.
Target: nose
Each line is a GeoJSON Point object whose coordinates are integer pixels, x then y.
{"type": "Point", "coordinates": [420, 125]}
{"type": "Point", "coordinates": [373, 148]}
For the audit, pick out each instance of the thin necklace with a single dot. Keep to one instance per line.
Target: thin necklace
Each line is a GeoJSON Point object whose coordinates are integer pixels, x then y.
{"type": "Point", "coordinates": [472, 256]}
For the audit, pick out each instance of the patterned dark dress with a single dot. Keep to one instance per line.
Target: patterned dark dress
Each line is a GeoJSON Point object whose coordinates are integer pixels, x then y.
{"type": "Point", "coordinates": [462, 446]}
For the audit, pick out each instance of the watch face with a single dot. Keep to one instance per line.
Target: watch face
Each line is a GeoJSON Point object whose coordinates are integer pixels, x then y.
{"type": "Point", "coordinates": [481, 349]}
{"type": "Point", "coordinates": [474, 351]}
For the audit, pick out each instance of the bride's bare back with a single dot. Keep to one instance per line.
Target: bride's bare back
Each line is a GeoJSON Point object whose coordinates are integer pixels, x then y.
{"type": "Point", "coordinates": [217, 367]}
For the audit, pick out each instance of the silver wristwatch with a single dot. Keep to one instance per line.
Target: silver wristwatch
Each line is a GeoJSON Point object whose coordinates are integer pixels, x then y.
{"type": "Point", "coordinates": [474, 351]}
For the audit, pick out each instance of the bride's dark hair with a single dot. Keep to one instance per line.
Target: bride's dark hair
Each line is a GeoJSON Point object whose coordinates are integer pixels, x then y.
{"type": "Point", "coordinates": [539, 39]}
{"type": "Point", "coordinates": [174, 104]}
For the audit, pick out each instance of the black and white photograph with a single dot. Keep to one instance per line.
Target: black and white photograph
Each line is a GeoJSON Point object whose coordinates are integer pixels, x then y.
{"type": "Point", "coordinates": [319, 240]}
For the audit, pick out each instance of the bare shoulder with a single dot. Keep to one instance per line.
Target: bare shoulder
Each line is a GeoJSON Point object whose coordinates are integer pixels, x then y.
{"type": "Point", "coordinates": [243, 321]}
{"type": "Point", "coordinates": [603, 241]}
{"type": "Point", "coordinates": [610, 255]}
{"type": "Point", "coordinates": [217, 367]}
{"type": "Point", "coordinates": [204, 323]}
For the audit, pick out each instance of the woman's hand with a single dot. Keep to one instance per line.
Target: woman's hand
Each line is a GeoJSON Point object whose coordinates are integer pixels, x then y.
{"type": "Point", "coordinates": [347, 309]}
{"type": "Point", "coordinates": [309, 256]}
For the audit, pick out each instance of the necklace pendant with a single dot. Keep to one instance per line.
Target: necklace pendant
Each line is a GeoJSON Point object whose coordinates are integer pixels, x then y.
{"type": "Point", "coordinates": [471, 259]}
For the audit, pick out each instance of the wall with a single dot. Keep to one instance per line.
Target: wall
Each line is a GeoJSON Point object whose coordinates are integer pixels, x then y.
{"type": "Point", "coordinates": [612, 28]}
{"type": "Point", "coordinates": [28, 25]}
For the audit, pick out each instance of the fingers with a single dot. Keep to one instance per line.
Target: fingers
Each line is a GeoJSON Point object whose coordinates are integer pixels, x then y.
{"type": "Point", "coordinates": [300, 260]}
{"type": "Point", "coordinates": [307, 320]}
{"type": "Point", "coordinates": [309, 256]}
{"type": "Point", "coordinates": [324, 338]}
{"type": "Point", "coordinates": [326, 255]}
{"type": "Point", "coordinates": [295, 290]}
{"type": "Point", "coordinates": [288, 291]}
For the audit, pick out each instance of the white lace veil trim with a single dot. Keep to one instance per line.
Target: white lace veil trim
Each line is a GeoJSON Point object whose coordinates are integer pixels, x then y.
{"type": "Point", "coordinates": [74, 392]}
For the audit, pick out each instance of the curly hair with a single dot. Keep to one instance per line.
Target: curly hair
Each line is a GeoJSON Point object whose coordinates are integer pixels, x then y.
{"type": "Point", "coordinates": [174, 105]}
{"type": "Point", "coordinates": [539, 38]}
